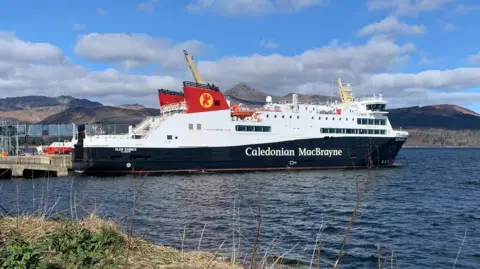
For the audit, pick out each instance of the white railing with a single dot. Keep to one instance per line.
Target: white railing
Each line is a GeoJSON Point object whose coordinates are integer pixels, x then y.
{"type": "Point", "coordinates": [143, 124]}
{"type": "Point", "coordinates": [371, 98]}
{"type": "Point", "coordinates": [181, 106]}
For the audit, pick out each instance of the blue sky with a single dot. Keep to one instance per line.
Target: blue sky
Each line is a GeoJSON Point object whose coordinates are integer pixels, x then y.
{"type": "Point", "coordinates": [121, 51]}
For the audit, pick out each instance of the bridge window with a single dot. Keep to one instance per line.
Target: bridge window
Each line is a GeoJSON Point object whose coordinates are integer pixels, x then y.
{"type": "Point", "coordinates": [376, 107]}
{"type": "Point", "coordinates": [199, 126]}
{"type": "Point", "coordinates": [169, 137]}
{"type": "Point", "coordinates": [252, 128]}
{"type": "Point", "coordinates": [190, 126]}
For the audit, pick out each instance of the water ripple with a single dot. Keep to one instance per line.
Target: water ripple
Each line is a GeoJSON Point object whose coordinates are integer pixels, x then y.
{"type": "Point", "coordinates": [420, 210]}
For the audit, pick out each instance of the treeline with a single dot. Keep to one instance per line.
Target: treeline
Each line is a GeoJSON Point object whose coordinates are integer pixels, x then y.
{"type": "Point", "coordinates": [443, 138]}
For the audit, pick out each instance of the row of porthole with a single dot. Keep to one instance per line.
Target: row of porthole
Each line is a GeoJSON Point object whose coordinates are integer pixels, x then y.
{"type": "Point", "coordinates": [298, 117]}
{"type": "Point", "coordinates": [283, 116]}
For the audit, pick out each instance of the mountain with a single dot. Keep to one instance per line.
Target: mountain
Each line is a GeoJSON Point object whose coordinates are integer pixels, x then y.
{"type": "Point", "coordinates": [32, 115]}
{"type": "Point", "coordinates": [29, 102]}
{"type": "Point", "coordinates": [34, 109]}
{"type": "Point", "coordinates": [106, 114]}
{"type": "Point", "coordinates": [442, 116]}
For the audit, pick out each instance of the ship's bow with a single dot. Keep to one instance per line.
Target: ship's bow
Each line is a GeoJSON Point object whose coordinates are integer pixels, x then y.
{"type": "Point", "coordinates": [400, 137]}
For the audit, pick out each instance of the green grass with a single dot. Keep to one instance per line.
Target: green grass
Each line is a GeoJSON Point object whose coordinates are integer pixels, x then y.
{"type": "Point", "coordinates": [31, 242]}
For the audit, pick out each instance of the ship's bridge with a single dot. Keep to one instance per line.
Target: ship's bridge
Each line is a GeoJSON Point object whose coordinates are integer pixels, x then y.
{"type": "Point", "coordinates": [374, 104]}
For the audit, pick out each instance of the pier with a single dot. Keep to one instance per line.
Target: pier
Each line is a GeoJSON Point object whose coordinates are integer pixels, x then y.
{"type": "Point", "coordinates": [35, 166]}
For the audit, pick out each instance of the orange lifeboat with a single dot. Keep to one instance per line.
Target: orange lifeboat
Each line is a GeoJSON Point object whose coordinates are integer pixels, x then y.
{"type": "Point", "coordinates": [241, 113]}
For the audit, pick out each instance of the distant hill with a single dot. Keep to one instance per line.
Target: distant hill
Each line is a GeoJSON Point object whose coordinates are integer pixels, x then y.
{"type": "Point", "coordinates": [437, 116]}
{"type": "Point", "coordinates": [106, 114]}
{"type": "Point", "coordinates": [34, 109]}
{"type": "Point", "coordinates": [29, 102]}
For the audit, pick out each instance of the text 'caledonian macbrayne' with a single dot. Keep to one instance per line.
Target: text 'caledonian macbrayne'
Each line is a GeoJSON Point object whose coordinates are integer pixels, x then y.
{"type": "Point", "coordinates": [291, 152]}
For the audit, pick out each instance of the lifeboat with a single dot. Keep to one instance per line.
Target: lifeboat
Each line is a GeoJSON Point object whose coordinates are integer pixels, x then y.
{"type": "Point", "coordinates": [241, 113]}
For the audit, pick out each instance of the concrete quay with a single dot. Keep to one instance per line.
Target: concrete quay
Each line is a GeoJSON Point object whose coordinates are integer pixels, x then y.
{"type": "Point", "coordinates": [35, 166]}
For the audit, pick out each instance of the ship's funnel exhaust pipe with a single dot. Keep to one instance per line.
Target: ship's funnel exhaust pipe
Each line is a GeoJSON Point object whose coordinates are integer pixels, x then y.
{"type": "Point", "coordinates": [295, 102]}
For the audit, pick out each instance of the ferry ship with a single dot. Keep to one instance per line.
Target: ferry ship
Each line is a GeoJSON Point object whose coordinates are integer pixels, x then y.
{"type": "Point", "coordinates": [199, 130]}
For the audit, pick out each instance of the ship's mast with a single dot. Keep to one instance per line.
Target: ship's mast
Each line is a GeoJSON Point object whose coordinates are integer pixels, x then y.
{"type": "Point", "coordinates": [345, 92]}
{"type": "Point", "coordinates": [198, 78]}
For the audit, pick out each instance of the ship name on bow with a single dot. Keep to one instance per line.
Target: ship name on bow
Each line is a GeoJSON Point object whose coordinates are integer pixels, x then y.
{"type": "Point", "coordinates": [125, 150]}
{"type": "Point", "coordinates": [291, 152]}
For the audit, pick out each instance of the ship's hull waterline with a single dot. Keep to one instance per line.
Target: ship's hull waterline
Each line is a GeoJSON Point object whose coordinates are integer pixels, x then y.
{"type": "Point", "coordinates": [305, 154]}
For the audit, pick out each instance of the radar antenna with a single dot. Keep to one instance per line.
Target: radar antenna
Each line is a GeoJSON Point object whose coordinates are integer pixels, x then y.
{"type": "Point", "coordinates": [198, 78]}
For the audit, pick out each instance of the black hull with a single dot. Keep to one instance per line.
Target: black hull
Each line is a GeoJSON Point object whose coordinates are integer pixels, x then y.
{"type": "Point", "coordinates": [305, 154]}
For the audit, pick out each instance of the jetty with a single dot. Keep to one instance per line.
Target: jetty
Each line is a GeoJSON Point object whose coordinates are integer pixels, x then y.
{"type": "Point", "coordinates": [35, 166]}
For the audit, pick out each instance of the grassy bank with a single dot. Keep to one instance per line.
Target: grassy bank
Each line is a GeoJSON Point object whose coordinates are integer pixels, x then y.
{"type": "Point", "coordinates": [31, 242]}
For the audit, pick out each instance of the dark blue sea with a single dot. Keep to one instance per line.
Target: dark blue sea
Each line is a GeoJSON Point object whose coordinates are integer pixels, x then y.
{"type": "Point", "coordinates": [423, 211]}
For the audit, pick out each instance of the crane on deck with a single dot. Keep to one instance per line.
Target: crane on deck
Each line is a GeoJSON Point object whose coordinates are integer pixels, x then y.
{"type": "Point", "coordinates": [198, 78]}
{"type": "Point", "coordinates": [345, 92]}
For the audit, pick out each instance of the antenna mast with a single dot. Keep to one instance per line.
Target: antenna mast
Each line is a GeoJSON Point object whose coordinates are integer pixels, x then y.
{"type": "Point", "coordinates": [198, 78]}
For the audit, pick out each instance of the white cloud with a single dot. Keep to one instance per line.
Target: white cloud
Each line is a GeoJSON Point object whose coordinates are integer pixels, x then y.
{"type": "Point", "coordinates": [439, 80]}
{"type": "Point", "coordinates": [391, 25]}
{"type": "Point", "coordinates": [313, 67]}
{"type": "Point", "coordinates": [408, 7]}
{"type": "Point", "coordinates": [41, 69]}
{"type": "Point", "coordinates": [15, 50]}
{"type": "Point", "coordinates": [148, 6]}
{"type": "Point", "coordinates": [230, 7]}
{"type": "Point", "coordinates": [102, 12]}
{"type": "Point", "coordinates": [135, 50]}
{"type": "Point", "coordinates": [28, 68]}
{"type": "Point", "coordinates": [474, 59]}
{"type": "Point", "coordinates": [268, 44]}
{"type": "Point", "coordinates": [449, 27]}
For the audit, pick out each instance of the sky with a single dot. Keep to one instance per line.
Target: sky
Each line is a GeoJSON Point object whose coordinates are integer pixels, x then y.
{"type": "Point", "coordinates": [413, 52]}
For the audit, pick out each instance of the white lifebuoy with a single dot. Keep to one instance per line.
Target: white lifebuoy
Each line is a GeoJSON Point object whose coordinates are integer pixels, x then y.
{"type": "Point", "coordinates": [129, 165]}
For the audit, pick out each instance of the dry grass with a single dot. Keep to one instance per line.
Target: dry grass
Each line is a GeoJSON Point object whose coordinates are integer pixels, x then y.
{"type": "Point", "coordinates": [35, 230]}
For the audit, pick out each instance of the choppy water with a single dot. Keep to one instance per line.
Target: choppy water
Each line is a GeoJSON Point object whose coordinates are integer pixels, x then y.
{"type": "Point", "coordinates": [420, 210]}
